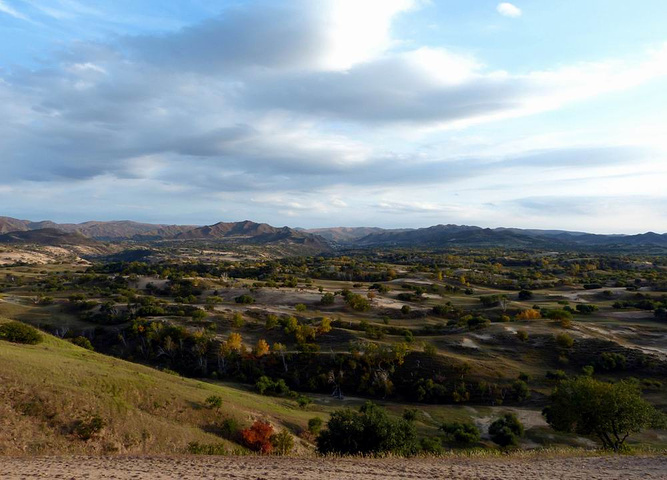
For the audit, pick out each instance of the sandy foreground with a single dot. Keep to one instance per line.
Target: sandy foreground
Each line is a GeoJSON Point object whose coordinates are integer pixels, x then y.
{"type": "Point", "coordinates": [188, 467]}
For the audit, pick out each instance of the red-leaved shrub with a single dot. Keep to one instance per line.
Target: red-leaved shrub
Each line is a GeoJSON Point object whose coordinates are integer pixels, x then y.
{"type": "Point", "coordinates": [258, 437]}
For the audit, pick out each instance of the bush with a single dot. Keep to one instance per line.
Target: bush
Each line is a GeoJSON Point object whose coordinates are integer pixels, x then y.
{"type": "Point", "coordinates": [244, 299]}
{"type": "Point", "coordinates": [522, 335]}
{"type": "Point", "coordinates": [303, 401]}
{"type": "Point", "coordinates": [525, 295]}
{"type": "Point", "coordinates": [229, 429]}
{"type": "Point", "coordinates": [557, 375]}
{"type": "Point", "coordinates": [370, 431]}
{"type": "Point", "coordinates": [327, 299]}
{"type": "Point", "coordinates": [431, 445]}
{"type": "Point", "coordinates": [563, 340]}
{"type": "Point", "coordinates": [17, 332]}
{"type": "Point", "coordinates": [282, 442]}
{"type": "Point", "coordinates": [559, 315]}
{"type": "Point", "coordinates": [315, 425]}
{"type": "Point", "coordinates": [520, 390]}
{"type": "Point", "coordinates": [267, 386]}
{"type": "Point", "coordinates": [82, 342]}
{"type": "Point", "coordinates": [586, 309]}
{"type": "Point", "coordinates": [357, 302]}
{"type": "Point", "coordinates": [258, 437]}
{"type": "Point", "coordinates": [196, 448]}
{"type": "Point", "coordinates": [529, 314]}
{"type": "Point", "coordinates": [461, 434]}
{"type": "Point", "coordinates": [89, 428]}
{"type": "Point", "coordinates": [611, 361]}
{"type": "Point", "coordinates": [214, 401]}
{"type": "Point", "coordinates": [506, 431]}
{"type": "Point", "coordinates": [610, 411]}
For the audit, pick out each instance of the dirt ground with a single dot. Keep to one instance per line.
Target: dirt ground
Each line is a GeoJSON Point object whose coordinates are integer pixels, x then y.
{"type": "Point", "coordinates": [209, 468]}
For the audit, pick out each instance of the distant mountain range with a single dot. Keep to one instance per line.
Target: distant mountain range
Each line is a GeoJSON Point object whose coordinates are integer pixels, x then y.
{"type": "Point", "coordinates": [49, 233]}
{"type": "Point", "coordinates": [457, 235]}
{"type": "Point", "coordinates": [321, 239]}
{"type": "Point", "coordinates": [47, 236]}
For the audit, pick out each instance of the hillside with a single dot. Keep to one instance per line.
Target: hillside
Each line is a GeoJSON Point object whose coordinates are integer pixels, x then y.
{"type": "Point", "coordinates": [8, 224]}
{"type": "Point", "coordinates": [444, 235]}
{"type": "Point", "coordinates": [463, 235]}
{"type": "Point", "coordinates": [48, 237]}
{"type": "Point", "coordinates": [111, 230]}
{"type": "Point", "coordinates": [348, 234]}
{"type": "Point", "coordinates": [254, 233]}
{"type": "Point", "coordinates": [45, 389]}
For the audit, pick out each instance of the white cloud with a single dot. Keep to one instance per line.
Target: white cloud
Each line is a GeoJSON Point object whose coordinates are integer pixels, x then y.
{"type": "Point", "coordinates": [508, 10]}
{"type": "Point", "coordinates": [359, 30]}
{"type": "Point", "coordinates": [5, 8]}
{"type": "Point", "coordinates": [317, 106]}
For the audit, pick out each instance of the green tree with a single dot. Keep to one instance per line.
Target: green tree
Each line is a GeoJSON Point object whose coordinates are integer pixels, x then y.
{"type": "Point", "coordinates": [506, 430]}
{"type": "Point", "coordinates": [609, 411]}
{"type": "Point", "coordinates": [370, 431]}
{"type": "Point", "coordinates": [461, 434]}
{"type": "Point", "coordinates": [327, 299]}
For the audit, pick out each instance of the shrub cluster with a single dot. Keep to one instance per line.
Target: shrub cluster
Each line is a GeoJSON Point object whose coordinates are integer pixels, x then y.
{"type": "Point", "coordinates": [17, 332]}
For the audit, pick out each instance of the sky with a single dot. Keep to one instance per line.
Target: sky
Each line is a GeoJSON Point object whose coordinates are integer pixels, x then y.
{"type": "Point", "coordinates": [315, 113]}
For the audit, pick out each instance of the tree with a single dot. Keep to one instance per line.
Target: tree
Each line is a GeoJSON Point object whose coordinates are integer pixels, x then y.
{"type": "Point", "coordinates": [237, 320]}
{"type": "Point", "coordinates": [520, 390]}
{"type": "Point", "coordinates": [610, 411]}
{"type": "Point", "coordinates": [506, 430]}
{"type": "Point", "coordinates": [368, 431]}
{"type": "Point", "coordinates": [261, 348]}
{"type": "Point", "coordinates": [271, 321]}
{"type": "Point", "coordinates": [529, 314]}
{"type": "Point", "coordinates": [280, 349]}
{"type": "Point", "coordinates": [324, 327]}
{"type": "Point", "coordinates": [235, 342]}
{"type": "Point", "coordinates": [327, 299]}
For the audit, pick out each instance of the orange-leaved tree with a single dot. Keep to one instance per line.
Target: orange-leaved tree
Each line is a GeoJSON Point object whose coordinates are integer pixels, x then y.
{"type": "Point", "coordinates": [258, 437]}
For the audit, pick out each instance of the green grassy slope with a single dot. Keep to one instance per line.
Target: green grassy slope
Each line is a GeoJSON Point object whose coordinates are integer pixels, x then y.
{"type": "Point", "coordinates": [45, 389]}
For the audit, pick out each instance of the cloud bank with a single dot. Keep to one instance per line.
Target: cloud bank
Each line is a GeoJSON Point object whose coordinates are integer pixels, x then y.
{"type": "Point", "coordinates": [292, 100]}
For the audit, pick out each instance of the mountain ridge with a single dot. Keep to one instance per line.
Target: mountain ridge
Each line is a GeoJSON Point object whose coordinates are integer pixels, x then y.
{"type": "Point", "coordinates": [441, 235]}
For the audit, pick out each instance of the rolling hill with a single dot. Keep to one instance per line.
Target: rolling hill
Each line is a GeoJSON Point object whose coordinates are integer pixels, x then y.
{"type": "Point", "coordinates": [48, 389]}
{"type": "Point", "coordinates": [48, 237]}
{"type": "Point", "coordinates": [256, 234]}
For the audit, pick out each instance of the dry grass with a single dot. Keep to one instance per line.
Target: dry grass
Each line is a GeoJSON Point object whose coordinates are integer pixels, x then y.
{"type": "Point", "coordinates": [46, 388]}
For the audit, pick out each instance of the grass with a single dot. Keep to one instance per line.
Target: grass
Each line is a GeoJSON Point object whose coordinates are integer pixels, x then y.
{"type": "Point", "coordinates": [45, 389]}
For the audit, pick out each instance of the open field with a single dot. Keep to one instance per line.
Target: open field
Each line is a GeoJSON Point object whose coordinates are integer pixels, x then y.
{"type": "Point", "coordinates": [214, 468]}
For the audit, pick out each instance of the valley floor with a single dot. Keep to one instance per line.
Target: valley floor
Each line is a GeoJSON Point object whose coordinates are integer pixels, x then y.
{"type": "Point", "coordinates": [188, 467]}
